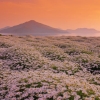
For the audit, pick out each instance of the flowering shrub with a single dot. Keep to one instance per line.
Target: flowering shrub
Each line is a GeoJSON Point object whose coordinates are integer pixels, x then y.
{"type": "Point", "coordinates": [45, 85]}
{"type": "Point", "coordinates": [49, 68]}
{"type": "Point", "coordinates": [22, 58]}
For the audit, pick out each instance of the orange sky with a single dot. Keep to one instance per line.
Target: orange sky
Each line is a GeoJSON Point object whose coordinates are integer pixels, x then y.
{"type": "Point", "coordinates": [62, 14]}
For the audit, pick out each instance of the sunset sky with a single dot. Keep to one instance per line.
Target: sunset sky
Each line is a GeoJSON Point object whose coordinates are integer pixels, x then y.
{"type": "Point", "coordinates": [64, 14]}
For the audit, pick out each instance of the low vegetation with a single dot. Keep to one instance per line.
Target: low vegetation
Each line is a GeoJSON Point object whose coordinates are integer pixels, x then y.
{"type": "Point", "coordinates": [49, 68]}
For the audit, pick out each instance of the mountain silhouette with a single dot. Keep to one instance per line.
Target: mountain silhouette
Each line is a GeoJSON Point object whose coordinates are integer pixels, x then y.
{"type": "Point", "coordinates": [5, 28]}
{"type": "Point", "coordinates": [32, 28]}
{"type": "Point", "coordinates": [83, 30]}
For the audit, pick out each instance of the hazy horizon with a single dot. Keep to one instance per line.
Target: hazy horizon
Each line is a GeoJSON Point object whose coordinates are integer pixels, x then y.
{"type": "Point", "coordinates": [62, 34]}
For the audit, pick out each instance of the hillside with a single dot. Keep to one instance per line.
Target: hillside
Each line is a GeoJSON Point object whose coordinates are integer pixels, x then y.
{"type": "Point", "coordinates": [49, 68]}
{"type": "Point", "coordinates": [32, 28]}
{"type": "Point", "coordinates": [4, 28]}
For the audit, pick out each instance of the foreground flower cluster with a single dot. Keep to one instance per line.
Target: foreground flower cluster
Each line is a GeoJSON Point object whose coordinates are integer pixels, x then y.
{"type": "Point", "coordinates": [49, 68]}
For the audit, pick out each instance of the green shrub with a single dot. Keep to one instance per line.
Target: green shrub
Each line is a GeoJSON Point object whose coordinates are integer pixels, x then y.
{"type": "Point", "coordinates": [54, 67]}
{"type": "Point", "coordinates": [90, 92]}
{"type": "Point", "coordinates": [71, 97]}
{"type": "Point", "coordinates": [87, 52]}
{"type": "Point", "coordinates": [84, 61]}
{"type": "Point", "coordinates": [97, 98]}
{"type": "Point", "coordinates": [81, 94]}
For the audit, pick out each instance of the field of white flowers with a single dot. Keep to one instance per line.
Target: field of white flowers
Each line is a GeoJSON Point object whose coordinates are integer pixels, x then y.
{"type": "Point", "coordinates": [49, 68]}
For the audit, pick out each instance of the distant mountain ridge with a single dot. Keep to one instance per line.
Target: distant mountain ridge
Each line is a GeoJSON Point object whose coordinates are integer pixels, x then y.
{"type": "Point", "coordinates": [38, 29]}
{"type": "Point", "coordinates": [83, 30]}
{"type": "Point", "coordinates": [32, 28]}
